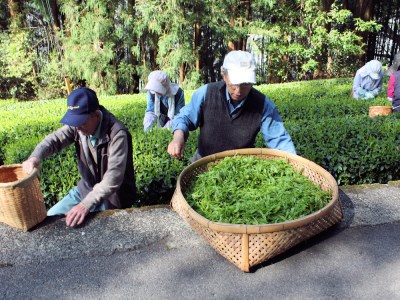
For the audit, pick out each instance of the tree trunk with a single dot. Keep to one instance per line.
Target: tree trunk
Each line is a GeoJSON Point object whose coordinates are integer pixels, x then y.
{"type": "Point", "coordinates": [326, 4]}
{"type": "Point", "coordinates": [55, 13]}
{"type": "Point", "coordinates": [135, 76]}
{"type": "Point", "coordinates": [240, 44]}
{"type": "Point", "coordinates": [15, 8]}
{"type": "Point", "coordinates": [364, 10]}
{"type": "Point", "coordinates": [196, 45]}
{"type": "Point", "coordinates": [182, 73]}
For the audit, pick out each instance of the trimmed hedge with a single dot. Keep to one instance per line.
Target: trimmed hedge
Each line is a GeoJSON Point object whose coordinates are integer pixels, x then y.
{"type": "Point", "coordinates": [326, 125]}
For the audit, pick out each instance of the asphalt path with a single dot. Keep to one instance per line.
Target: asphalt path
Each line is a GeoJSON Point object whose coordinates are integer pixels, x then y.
{"type": "Point", "coordinates": [152, 253]}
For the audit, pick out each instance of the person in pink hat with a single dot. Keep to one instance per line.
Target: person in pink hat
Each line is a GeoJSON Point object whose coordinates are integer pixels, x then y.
{"type": "Point", "coordinates": [164, 101]}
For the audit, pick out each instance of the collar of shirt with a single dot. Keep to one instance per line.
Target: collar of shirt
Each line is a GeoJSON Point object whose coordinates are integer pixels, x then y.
{"type": "Point", "coordinates": [232, 107]}
{"type": "Point", "coordinates": [96, 135]}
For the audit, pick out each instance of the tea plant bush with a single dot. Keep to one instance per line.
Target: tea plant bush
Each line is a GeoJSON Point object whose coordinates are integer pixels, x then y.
{"type": "Point", "coordinates": [325, 123]}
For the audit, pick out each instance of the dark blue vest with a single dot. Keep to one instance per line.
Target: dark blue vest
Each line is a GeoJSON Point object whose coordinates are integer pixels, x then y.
{"type": "Point", "coordinates": [219, 131]}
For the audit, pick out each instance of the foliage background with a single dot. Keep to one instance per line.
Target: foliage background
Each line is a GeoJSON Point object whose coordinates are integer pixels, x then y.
{"type": "Point", "coordinates": [114, 44]}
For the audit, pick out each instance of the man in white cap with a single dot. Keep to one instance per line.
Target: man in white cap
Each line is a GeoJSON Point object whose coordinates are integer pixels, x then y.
{"type": "Point", "coordinates": [104, 153]}
{"type": "Point", "coordinates": [368, 81]}
{"type": "Point", "coordinates": [164, 101]}
{"type": "Point", "coordinates": [230, 113]}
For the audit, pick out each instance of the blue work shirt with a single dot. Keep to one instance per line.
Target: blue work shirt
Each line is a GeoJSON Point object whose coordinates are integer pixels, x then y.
{"type": "Point", "coordinates": [272, 129]}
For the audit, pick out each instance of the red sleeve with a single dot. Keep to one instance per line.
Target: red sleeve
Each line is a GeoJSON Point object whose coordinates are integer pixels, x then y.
{"type": "Point", "coordinates": [391, 86]}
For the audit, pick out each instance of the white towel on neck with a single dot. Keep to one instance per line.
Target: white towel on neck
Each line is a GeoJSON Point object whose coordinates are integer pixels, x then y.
{"type": "Point", "coordinates": [171, 107]}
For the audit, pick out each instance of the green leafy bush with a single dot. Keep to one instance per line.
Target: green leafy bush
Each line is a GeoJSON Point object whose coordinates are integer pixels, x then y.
{"type": "Point", "coordinates": [251, 190]}
{"type": "Point", "coordinates": [326, 124]}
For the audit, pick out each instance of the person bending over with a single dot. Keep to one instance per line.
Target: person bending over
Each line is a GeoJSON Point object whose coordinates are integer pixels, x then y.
{"type": "Point", "coordinates": [104, 153]}
{"type": "Point", "coordinates": [164, 101]}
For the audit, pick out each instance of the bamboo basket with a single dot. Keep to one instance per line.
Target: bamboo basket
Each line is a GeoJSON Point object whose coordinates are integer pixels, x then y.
{"type": "Point", "coordinates": [21, 199]}
{"type": "Point", "coordinates": [380, 111]}
{"type": "Point", "coordinates": [249, 245]}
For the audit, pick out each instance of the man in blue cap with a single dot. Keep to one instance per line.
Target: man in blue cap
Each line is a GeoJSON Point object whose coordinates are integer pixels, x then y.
{"type": "Point", "coordinates": [104, 152]}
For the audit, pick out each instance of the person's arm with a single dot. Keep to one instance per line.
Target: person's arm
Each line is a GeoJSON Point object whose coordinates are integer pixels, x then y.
{"type": "Point", "coordinates": [149, 120]}
{"type": "Point", "coordinates": [358, 91]}
{"type": "Point", "coordinates": [149, 117]}
{"type": "Point", "coordinates": [188, 117]}
{"type": "Point", "coordinates": [391, 86]}
{"type": "Point", "coordinates": [52, 143]}
{"type": "Point", "coordinates": [185, 121]}
{"type": "Point", "coordinates": [273, 130]}
{"type": "Point", "coordinates": [177, 145]}
{"type": "Point", "coordinates": [30, 164]}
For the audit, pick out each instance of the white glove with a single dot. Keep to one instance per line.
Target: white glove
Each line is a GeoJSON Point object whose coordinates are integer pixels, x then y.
{"type": "Point", "coordinates": [369, 95]}
{"type": "Point", "coordinates": [375, 92]}
{"type": "Point", "coordinates": [390, 99]}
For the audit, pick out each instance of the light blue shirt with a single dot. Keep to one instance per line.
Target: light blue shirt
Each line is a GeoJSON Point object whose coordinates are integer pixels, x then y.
{"type": "Point", "coordinates": [272, 129]}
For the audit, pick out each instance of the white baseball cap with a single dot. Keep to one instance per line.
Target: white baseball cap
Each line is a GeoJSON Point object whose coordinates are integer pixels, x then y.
{"type": "Point", "coordinates": [241, 67]}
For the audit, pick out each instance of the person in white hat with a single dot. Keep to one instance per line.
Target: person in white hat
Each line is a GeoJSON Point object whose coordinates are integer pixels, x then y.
{"type": "Point", "coordinates": [230, 113]}
{"type": "Point", "coordinates": [164, 101]}
{"type": "Point", "coordinates": [368, 81]}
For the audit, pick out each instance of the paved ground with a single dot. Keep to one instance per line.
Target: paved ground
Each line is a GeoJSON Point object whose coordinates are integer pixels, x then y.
{"type": "Point", "coordinates": [153, 254]}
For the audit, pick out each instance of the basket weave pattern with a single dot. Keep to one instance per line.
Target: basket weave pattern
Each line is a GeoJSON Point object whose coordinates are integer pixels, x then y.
{"type": "Point", "coordinates": [249, 245]}
{"type": "Point", "coordinates": [21, 199]}
{"type": "Point", "coordinates": [380, 111]}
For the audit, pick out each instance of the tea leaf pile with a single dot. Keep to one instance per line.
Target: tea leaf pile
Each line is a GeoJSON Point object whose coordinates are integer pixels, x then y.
{"type": "Point", "coordinates": [251, 190]}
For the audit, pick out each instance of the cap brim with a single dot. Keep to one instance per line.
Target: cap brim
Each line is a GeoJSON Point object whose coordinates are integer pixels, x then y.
{"type": "Point", "coordinates": [155, 86]}
{"type": "Point", "coordinates": [74, 120]}
{"type": "Point", "coordinates": [242, 76]}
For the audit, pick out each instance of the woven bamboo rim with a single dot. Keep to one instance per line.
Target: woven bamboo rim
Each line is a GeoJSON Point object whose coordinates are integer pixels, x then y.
{"type": "Point", "coordinates": [265, 228]}
{"type": "Point", "coordinates": [19, 182]}
{"type": "Point", "coordinates": [21, 199]}
{"type": "Point", "coordinates": [380, 111]}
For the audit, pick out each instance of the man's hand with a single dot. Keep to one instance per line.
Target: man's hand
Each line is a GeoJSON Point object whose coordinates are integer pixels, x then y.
{"type": "Point", "coordinates": [76, 215]}
{"type": "Point", "coordinates": [177, 145]}
{"type": "Point", "coordinates": [31, 164]}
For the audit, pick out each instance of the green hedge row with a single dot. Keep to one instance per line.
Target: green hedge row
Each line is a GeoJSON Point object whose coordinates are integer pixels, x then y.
{"type": "Point", "coordinates": [326, 125]}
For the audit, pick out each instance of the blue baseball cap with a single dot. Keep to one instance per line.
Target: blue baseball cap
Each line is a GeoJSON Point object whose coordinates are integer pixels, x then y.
{"type": "Point", "coordinates": [80, 104]}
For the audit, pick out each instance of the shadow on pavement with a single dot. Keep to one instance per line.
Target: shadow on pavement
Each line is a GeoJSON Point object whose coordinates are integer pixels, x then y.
{"type": "Point", "coordinates": [348, 216]}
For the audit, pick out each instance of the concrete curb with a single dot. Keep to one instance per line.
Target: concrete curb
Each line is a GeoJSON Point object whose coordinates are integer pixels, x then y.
{"type": "Point", "coordinates": [116, 231]}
